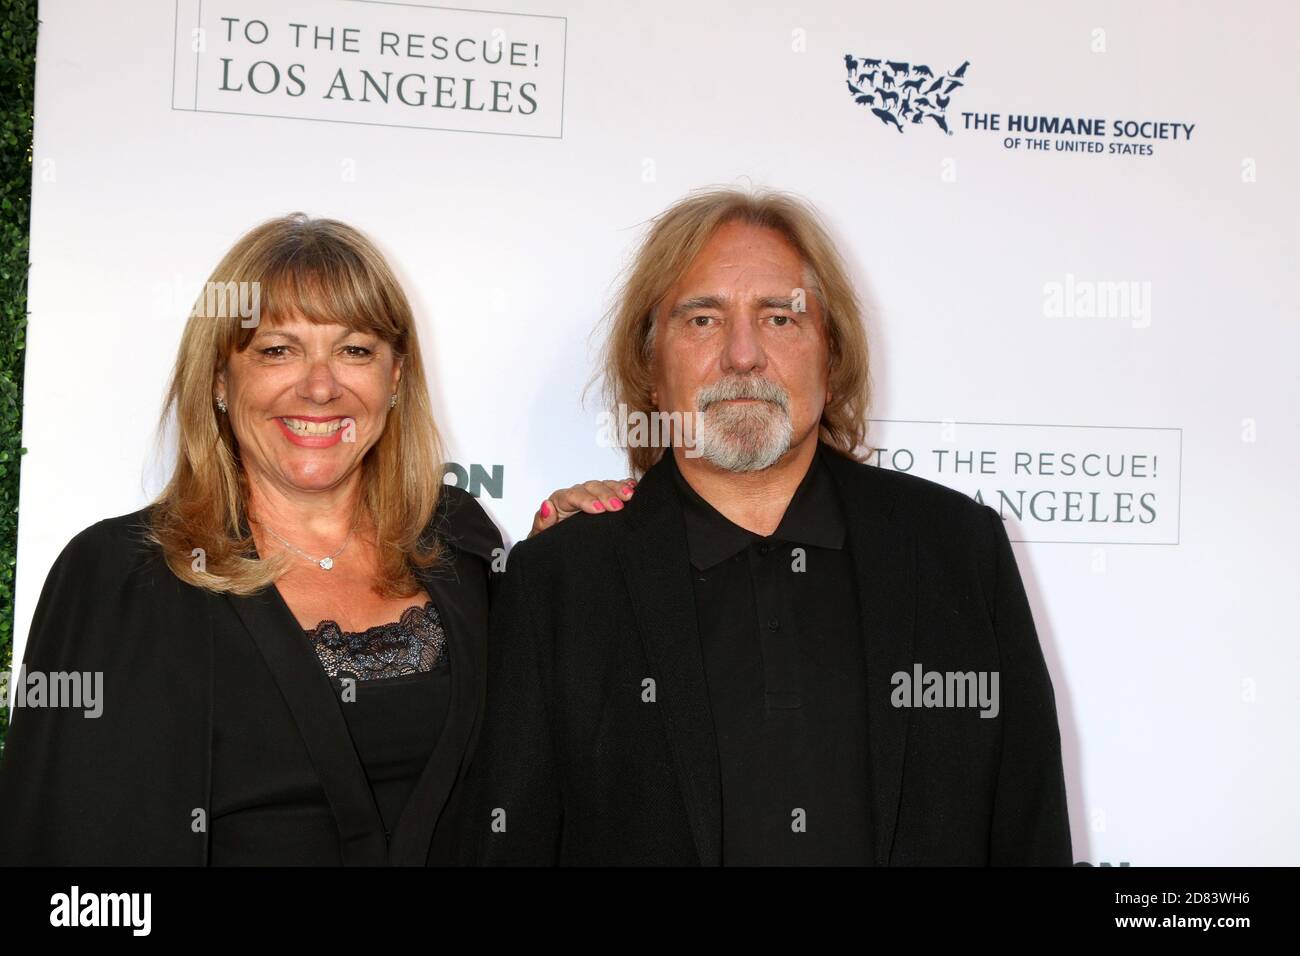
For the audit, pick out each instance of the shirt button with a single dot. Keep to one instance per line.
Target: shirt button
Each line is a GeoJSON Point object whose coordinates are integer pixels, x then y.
{"type": "Point", "coordinates": [764, 548]}
{"type": "Point", "coordinates": [774, 624]}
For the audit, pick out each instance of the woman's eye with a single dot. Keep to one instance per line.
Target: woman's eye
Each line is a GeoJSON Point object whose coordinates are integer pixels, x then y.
{"type": "Point", "coordinates": [274, 351]}
{"type": "Point", "coordinates": [358, 351]}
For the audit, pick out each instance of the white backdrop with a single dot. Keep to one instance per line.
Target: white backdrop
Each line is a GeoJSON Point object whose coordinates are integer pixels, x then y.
{"type": "Point", "coordinates": [1133, 301]}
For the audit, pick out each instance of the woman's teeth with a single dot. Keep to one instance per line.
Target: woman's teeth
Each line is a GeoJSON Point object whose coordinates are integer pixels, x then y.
{"type": "Point", "coordinates": [300, 427]}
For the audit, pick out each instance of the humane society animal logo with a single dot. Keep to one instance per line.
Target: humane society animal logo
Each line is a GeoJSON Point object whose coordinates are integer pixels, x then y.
{"type": "Point", "coordinates": [901, 94]}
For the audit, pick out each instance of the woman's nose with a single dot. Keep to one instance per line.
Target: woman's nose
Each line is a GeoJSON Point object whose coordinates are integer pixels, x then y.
{"type": "Point", "coordinates": [319, 383]}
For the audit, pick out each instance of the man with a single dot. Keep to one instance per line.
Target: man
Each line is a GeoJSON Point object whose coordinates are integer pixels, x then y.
{"type": "Point", "coordinates": [774, 654]}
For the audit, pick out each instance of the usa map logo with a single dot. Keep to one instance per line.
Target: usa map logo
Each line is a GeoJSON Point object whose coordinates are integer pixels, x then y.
{"type": "Point", "coordinates": [900, 94]}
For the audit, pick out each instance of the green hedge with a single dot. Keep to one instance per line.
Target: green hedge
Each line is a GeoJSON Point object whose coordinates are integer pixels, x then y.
{"type": "Point", "coordinates": [17, 79]}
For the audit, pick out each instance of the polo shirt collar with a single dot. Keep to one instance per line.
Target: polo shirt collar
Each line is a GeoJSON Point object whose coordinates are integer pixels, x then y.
{"type": "Point", "coordinates": [813, 517]}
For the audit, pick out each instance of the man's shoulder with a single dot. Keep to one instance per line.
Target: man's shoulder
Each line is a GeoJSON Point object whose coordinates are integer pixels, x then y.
{"type": "Point", "coordinates": [580, 539]}
{"type": "Point", "coordinates": [920, 502]}
{"type": "Point", "coordinates": [949, 528]}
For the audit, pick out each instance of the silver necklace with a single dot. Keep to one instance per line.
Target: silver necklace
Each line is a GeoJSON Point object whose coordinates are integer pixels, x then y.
{"type": "Point", "coordinates": [324, 563]}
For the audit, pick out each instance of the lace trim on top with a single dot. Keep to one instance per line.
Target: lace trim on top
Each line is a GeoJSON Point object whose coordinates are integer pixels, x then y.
{"type": "Point", "coordinates": [412, 645]}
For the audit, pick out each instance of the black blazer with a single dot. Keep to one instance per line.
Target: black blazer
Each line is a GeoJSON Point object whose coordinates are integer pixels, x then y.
{"type": "Point", "coordinates": [124, 788]}
{"type": "Point", "coordinates": [581, 770]}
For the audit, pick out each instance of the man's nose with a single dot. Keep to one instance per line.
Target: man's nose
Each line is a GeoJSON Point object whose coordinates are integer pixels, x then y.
{"type": "Point", "coordinates": [743, 350]}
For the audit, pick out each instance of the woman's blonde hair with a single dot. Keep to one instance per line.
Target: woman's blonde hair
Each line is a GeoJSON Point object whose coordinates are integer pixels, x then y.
{"type": "Point", "coordinates": [328, 273]}
{"type": "Point", "coordinates": [675, 239]}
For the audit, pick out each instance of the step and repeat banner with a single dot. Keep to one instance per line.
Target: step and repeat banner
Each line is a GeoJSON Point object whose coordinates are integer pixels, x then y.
{"type": "Point", "coordinates": [1073, 226]}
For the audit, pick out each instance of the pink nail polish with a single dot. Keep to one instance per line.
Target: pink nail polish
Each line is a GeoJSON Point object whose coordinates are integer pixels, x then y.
{"type": "Point", "coordinates": [546, 509]}
{"type": "Point", "coordinates": [615, 504]}
{"type": "Point", "coordinates": [626, 489]}
{"type": "Point", "coordinates": [598, 506]}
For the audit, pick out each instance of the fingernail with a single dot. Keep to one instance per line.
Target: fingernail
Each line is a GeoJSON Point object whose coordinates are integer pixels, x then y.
{"type": "Point", "coordinates": [626, 490]}
{"type": "Point", "coordinates": [615, 504]}
{"type": "Point", "coordinates": [598, 506]}
{"type": "Point", "coordinates": [546, 509]}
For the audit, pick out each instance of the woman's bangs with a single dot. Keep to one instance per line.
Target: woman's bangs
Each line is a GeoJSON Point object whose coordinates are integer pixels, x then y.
{"type": "Point", "coordinates": [323, 294]}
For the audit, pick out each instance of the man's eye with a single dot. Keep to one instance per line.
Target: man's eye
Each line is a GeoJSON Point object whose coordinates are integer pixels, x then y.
{"type": "Point", "coordinates": [701, 320]}
{"type": "Point", "coordinates": [780, 320]}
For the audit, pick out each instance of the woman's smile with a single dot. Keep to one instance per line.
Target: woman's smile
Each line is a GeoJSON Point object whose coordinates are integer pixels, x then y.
{"type": "Point", "coordinates": [313, 431]}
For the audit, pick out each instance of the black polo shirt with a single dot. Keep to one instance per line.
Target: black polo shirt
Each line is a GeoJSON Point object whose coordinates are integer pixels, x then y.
{"type": "Point", "coordinates": [783, 652]}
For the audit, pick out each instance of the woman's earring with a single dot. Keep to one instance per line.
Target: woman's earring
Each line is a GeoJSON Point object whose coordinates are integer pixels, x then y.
{"type": "Point", "coordinates": [221, 404]}
{"type": "Point", "coordinates": [392, 402]}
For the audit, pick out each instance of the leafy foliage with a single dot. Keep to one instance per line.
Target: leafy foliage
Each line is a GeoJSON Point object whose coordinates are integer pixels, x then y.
{"type": "Point", "coordinates": [17, 81]}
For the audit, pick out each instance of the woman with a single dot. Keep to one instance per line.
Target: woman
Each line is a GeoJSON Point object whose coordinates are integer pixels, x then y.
{"type": "Point", "coordinates": [292, 637]}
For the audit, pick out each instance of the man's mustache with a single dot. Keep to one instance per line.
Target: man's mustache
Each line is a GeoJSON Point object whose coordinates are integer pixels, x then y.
{"type": "Point", "coordinates": [728, 389]}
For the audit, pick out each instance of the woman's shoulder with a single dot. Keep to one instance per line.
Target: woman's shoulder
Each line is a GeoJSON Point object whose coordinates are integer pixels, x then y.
{"type": "Point", "coordinates": [111, 558]}
{"type": "Point", "coordinates": [463, 524]}
{"type": "Point", "coordinates": [123, 541]}
{"type": "Point", "coordinates": [105, 600]}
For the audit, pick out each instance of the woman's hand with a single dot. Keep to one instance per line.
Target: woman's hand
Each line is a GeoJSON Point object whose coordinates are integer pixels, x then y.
{"type": "Point", "coordinates": [593, 497]}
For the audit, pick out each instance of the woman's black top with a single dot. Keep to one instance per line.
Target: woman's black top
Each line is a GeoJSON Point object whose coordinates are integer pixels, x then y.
{"type": "Point", "coordinates": [222, 737]}
{"type": "Point", "coordinates": [392, 684]}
